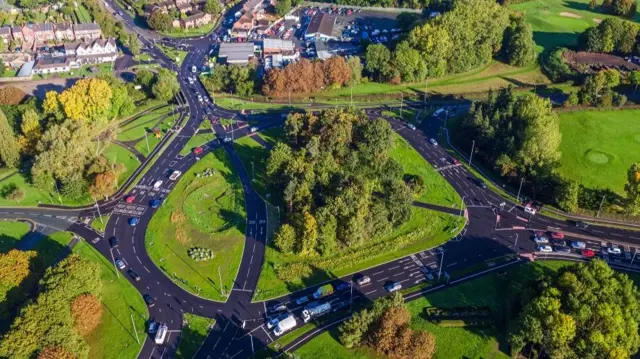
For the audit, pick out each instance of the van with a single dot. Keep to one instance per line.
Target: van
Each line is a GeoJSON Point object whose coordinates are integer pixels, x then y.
{"type": "Point", "coordinates": [161, 334]}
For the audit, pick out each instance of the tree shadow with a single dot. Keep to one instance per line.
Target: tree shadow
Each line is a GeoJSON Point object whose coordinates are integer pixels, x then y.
{"type": "Point", "coordinates": [551, 40]}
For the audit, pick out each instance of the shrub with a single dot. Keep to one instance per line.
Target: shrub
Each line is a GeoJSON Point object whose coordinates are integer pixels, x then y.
{"type": "Point", "coordinates": [54, 352]}
{"type": "Point", "coordinates": [293, 271]}
{"type": "Point", "coordinates": [86, 311]}
{"type": "Point", "coordinates": [10, 95]}
{"type": "Point", "coordinates": [200, 254]}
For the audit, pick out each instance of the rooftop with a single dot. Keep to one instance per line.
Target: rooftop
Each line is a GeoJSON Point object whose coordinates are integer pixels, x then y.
{"type": "Point", "coordinates": [321, 24]}
{"type": "Point", "coordinates": [50, 62]}
{"type": "Point", "coordinates": [284, 45]}
{"type": "Point", "coordinates": [236, 51]}
{"type": "Point", "coordinates": [86, 27]}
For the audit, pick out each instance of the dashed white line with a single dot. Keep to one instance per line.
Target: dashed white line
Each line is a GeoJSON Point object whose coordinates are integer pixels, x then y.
{"type": "Point", "coordinates": [373, 291]}
{"type": "Point", "coordinates": [385, 278]}
{"type": "Point", "coordinates": [375, 274]}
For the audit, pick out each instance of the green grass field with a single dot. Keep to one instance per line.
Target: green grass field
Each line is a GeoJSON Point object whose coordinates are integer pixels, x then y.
{"type": "Point", "coordinates": [151, 139]}
{"type": "Point", "coordinates": [493, 290]}
{"type": "Point", "coordinates": [205, 212]}
{"type": "Point", "coordinates": [197, 140]}
{"type": "Point", "coordinates": [100, 223]}
{"type": "Point", "coordinates": [178, 33]}
{"type": "Point", "coordinates": [193, 334]}
{"type": "Point", "coordinates": [559, 23]}
{"type": "Point", "coordinates": [115, 337]}
{"type": "Point", "coordinates": [10, 233]}
{"type": "Point", "coordinates": [135, 129]}
{"type": "Point", "coordinates": [83, 14]}
{"type": "Point", "coordinates": [121, 155]}
{"type": "Point", "coordinates": [598, 147]}
{"type": "Point", "coordinates": [172, 53]}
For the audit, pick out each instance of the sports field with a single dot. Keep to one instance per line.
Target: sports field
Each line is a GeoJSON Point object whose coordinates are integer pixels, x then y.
{"type": "Point", "coordinates": [599, 146]}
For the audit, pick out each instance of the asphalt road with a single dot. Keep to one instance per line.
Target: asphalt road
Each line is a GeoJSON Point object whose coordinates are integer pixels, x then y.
{"type": "Point", "coordinates": [492, 230]}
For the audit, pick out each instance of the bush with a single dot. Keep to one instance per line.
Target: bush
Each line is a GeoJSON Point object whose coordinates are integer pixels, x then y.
{"type": "Point", "coordinates": [55, 352]}
{"type": "Point", "coordinates": [10, 95]}
{"type": "Point", "coordinates": [200, 254]}
{"type": "Point", "coordinates": [293, 271]}
{"type": "Point", "coordinates": [86, 311]}
{"type": "Point", "coordinates": [555, 68]}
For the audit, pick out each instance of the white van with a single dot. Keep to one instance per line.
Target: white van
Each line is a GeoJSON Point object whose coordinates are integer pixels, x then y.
{"type": "Point", "coordinates": [161, 334]}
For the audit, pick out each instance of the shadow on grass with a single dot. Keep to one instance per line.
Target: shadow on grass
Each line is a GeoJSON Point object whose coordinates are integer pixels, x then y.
{"type": "Point", "coordinates": [551, 40]}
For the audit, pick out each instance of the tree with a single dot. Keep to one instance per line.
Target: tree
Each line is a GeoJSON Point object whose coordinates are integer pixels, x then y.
{"type": "Point", "coordinates": [309, 234]}
{"type": "Point", "coordinates": [86, 311]}
{"type": "Point", "coordinates": [632, 188]}
{"type": "Point", "coordinates": [213, 7]}
{"type": "Point", "coordinates": [166, 85]}
{"type": "Point", "coordinates": [622, 7]}
{"type": "Point", "coordinates": [409, 63]}
{"type": "Point", "coordinates": [122, 104]}
{"type": "Point", "coordinates": [519, 47]}
{"type": "Point", "coordinates": [597, 89]}
{"type": "Point", "coordinates": [16, 194]}
{"type": "Point", "coordinates": [435, 47]}
{"type": "Point", "coordinates": [567, 198]}
{"type": "Point", "coordinates": [15, 267]}
{"type": "Point", "coordinates": [87, 100]}
{"type": "Point", "coordinates": [355, 330]}
{"type": "Point", "coordinates": [54, 352]}
{"type": "Point", "coordinates": [355, 66]}
{"type": "Point", "coordinates": [9, 147]}
{"type": "Point", "coordinates": [377, 61]}
{"type": "Point", "coordinates": [593, 4]}
{"type": "Point", "coordinates": [10, 95]}
{"type": "Point", "coordinates": [283, 7]}
{"type": "Point", "coordinates": [160, 21]}
{"type": "Point", "coordinates": [586, 311]}
{"type": "Point", "coordinates": [134, 44]}
{"type": "Point", "coordinates": [31, 131]}
{"type": "Point", "coordinates": [285, 239]}
{"type": "Point", "coordinates": [104, 184]}
{"type": "Point", "coordinates": [634, 80]}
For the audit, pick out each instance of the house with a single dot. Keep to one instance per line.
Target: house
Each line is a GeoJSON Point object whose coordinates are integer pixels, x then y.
{"type": "Point", "coordinates": [321, 27]}
{"type": "Point", "coordinates": [251, 5]}
{"type": "Point", "coordinates": [44, 32]}
{"type": "Point", "coordinates": [16, 33]}
{"type": "Point", "coordinates": [184, 8]}
{"type": "Point", "coordinates": [244, 25]}
{"type": "Point", "coordinates": [87, 31]}
{"type": "Point", "coordinates": [28, 34]}
{"type": "Point", "coordinates": [5, 34]}
{"type": "Point", "coordinates": [196, 19]}
{"type": "Point", "coordinates": [50, 65]}
{"type": "Point", "coordinates": [15, 60]}
{"type": "Point", "coordinates": [92, 48]}
{"type": "Point", "coordinates": [64, 32]}
{"type": "Point", "coordinates": [183, 2]}
{"type": "Point", "coordinates": [238, 53]}
{"type": "Point", "coordinates": [277, 46]}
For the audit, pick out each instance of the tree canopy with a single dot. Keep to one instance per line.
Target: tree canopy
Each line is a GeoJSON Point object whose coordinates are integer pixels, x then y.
{"type": "Point", "coordinates": [587, 311]}
{"type": "Point", "coordinates": [519, 47]}
{"type": "Point", "coordinates": [611, 35]}
{"type": "Point", "coordinates": [305, 76]}
{"type": "Point", "coordinates": [166, 85]}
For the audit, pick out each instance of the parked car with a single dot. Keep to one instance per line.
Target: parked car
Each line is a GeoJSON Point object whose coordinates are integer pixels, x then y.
{"type": "Point", "coordinates": [130, 198]}
{"type": "Point", "coordinates": [562, 249]}
{"type": "Point", "coordinates": [433, 141]}
{"type": "Point", "coordinates": [545, 249]}
{"type": "Point", "coordinates": [120, 264]}
{"type": "Point", "coordinates": [155, 203]}
{"type": "Point", "coordinates": [174, 176]}
{"type": "Point", "coordinates": [302, 300]}
{"type": "Point", "coordinates": [133, 221]}
{"type": "Point", "coordinates": [589, 253]}
{"type": "Point", "coordinates": [578, 245]}
{"type": "Point", "coordinates": [557, 235]}
{"type": "Point", "coordinates": [392, 287]}
{"type": "Point", "coordinates": [113, 241]}
{"type": "Point", "coordinates": [133, 274]}
{"type": "Point", "coordinates": [541, 240]}
{"type": "Point", "coordinates": [614, 250]}
{"type": "Point", "coordinates": [364, 280]}
{"type": "Point", "coordinates": [149, 300]}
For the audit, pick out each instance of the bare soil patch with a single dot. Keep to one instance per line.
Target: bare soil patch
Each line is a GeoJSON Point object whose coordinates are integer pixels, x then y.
{"type": "Point", "coordinates": [570, 14]}
{"type": "Point", "coordinates": [590, 62]}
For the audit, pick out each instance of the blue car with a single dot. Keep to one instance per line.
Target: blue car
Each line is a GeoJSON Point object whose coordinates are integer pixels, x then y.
{"type": "Point", "coordinates": [133, 221]}
{"type": "Point", "coordinates": [344, 286]}
{"type": "Point", "coordinates": [155, 203]}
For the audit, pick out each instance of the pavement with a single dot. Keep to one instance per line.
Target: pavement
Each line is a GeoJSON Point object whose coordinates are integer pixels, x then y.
{"type": "Point", "coordinates": [496, 227]}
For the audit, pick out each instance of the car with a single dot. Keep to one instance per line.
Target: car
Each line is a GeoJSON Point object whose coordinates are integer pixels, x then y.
{"type": "Point", "coordinates": [302, 300]}
{"type": "Point", "coordinates": [120, 264]}
{"type": "Point", "coordinates": [411, 126]}
{"type": "Point", "coordinates": [364, 280]}
{"type": "Point", "coordinates": [133, 221]}
{"type": "Point", "coordinates": [155, 203]}
{"type": "Point", "coordinates": [562, 249]}
{"type": "Point", "coordinates": [541, 239]}
{"type": "Point", "coordinates": [343, 286]}
{"type": "Point", "coordinates": [278, 307]}
{"type": "Point", "coordinates": [480, 183]}
{"type": "Point", "coordinates": [557, 235]}
{"type": "Point", "coordinates": [194, 69]}
{"type": "Point", "coordinates": [392, 287]}
{"type": "Point", "coordinates": [197, 151]}
{"type": "Point", "coordinates": [254, 129]}
{"type": "Point", "coordinates": [174, 176]}
{"type": "Point", "coordinates": [539, 233]}
{"type": "Point", "coordinates": [426, 272]}
{"type": "Point", "coordinates": [133, 274]}
{"type": "Point", "coordinates": [589, 253]}
{"type": "Point", "coordinates": [149, 300]}
{"type": "Point", "coordinates": [455, 162]}
{"type": "Point", "coordinates": [433, 141]}
{"type": "Point", "coordinates": [226, 139]}
{"type": "Point", "coordinates": [274, 321]}
{"type": "Point", "coordinates": [130, 198]}
{"type": "Point", "coordinates": [153, 327]}
{"type": "Point", "coordinates": [580, 224]}
{"type": "Point", "coordinates": [113, 241]}
{"type": "Point", "coordinates": [544, 249]}
{"type": "Point", "coordinates": [614, 250]}
{"type": "Point", "coordinates": [157, 184]}
{"type": "Point", "coordinates": [578, 245]}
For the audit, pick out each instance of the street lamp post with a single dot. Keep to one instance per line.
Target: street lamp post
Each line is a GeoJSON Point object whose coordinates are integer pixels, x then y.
{"type": "Point", "coordinates": [57, 191]}
{"type": "Point", "coordinates": [515, 245]}
{"type": "Point", "coordinates": [440, 269]}
{"type": "Point", "coordinates": [220, 277]}
{"type": "Point", "coordinates": [461, 205]}
{"type": "Point", "coordinates": [134, 329]}
{"type": "Point", "coordinates": [519, 189]}
{"type": "Point", "coordinates": [98, 208]}
{"type": "Point", "coordinates": [473, 145]}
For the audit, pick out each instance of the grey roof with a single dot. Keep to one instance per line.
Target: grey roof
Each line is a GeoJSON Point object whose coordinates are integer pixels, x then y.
{"type": "Point", "coordinates": [43, 27]}
{"type": "Point", "coordinates": [50, 62]}
{"type": "Point", "coordinates": [64, 27]}
{"type": "Point", "coordinates": [5, 30]}
{"type": "Point", "coordinates": [284, 45]}
{"type": "Point", "coordinates": [321, 24]}
{"type": "Point", "coordinates": [86, 27]}
{"type": "Point", "coordinates": [236, 51]}
{"type": "Point", "coordinates": [25, 70]}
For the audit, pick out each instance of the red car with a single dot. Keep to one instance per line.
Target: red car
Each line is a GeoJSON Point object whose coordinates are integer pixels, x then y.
{"type": "Point", "coordinates": [557, 235]}
{"type": "Point", "coordinates": [130, 199]}
{"type": "Point", "coordinates": [589, 253]}
{"type": "Point", "coordinates": [197, 150]}
{"type": "Point", "coordinates": [455, 161]}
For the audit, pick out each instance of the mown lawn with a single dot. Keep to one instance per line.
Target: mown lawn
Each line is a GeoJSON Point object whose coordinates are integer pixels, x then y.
{"type": "Point", "coordinates": [115, 337]}
{"type": "Point", "coordinates": [493, 290]}
{"type": "Point", "coordinates": [205, 212]}
{"type": "Point", "coordinates": [10, 234]}
{"type": "Point", "coordinates": [598, 147]}
{"type": "Point", "coordinates": [100, 223]}
{"type": "Point", "coordinates": [178, 33]}
{"type": "Point", "coordinates": [118, 154]}
{"type": "Point", "coordinates": [135, 129]}
{"type": "Point", "coordinates": [147, 145]}
{"type": "Point", "coordinates": [33, 196]}
{"type": "Point", "coordinates": [197, 140]}
{"type": "Point", "coordinates": [193, 334]}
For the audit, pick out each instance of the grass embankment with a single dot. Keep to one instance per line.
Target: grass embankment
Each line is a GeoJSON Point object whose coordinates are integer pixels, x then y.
{"type": "Point", "coordinates": [175, 55]}
{"type": "Point", "coordinates": [118, 154]}
{"type": "Point", "coordinates": [499, 291]}
{"type": "Point", "coordinates": [197, 140]}
{"type": "Point", "coordinates": [100, 223]}
{"type": "Point", "coordinates": [134, 131]}
{"type": "Point", "coordinates": [10, 233]}
{"type": "Point", "coordinates": [204, 212]}
{"type": "Point", "coordinates": [197, 31]}
{"type": "Point", "coordinates": [425, 229]}
{"type": "Point", "coordinates": [598, 146]}
{"type": "Point", "coordinates": [193, 334]}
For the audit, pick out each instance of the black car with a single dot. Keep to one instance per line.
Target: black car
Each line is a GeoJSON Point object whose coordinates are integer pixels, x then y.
{"type": "Point", "coordinates": [481, 184]}
{"type": "Point", "coordinates": [134, 274]}
{"type": "Point", "coordinates": [581, 225]}
{"type": "Point", "coordinates": [343, 286]}
{"type": "Point", "coordinates": [113, 241]}
{"type": "Point", "coordinates": [562, 249]}
{"type": "Point", "coordinates": [149, 300]}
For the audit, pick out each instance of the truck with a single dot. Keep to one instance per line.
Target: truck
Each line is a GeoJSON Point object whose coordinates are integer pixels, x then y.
{"type": "Point", "coordinates": [284, 325]}
{"type": "Point", "coordinates": [316, 311]}
{"type": "Point", "coordinates": [161, 334]}
{"type": "Point", "coordinates": [324, 291]}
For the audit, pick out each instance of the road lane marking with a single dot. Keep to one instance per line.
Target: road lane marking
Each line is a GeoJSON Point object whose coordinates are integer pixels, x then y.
{"type": "Point", "coordinates": [373, 291]}
{"type": "Point", "coordinates": [375, 274]}
{"type": "Point", "coordinates": [385, 278]}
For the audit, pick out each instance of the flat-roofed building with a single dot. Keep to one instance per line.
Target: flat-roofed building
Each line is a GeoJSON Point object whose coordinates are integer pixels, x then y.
{"type": "Point", "coordinates": [237, 53]}
{"type": "Point", "coordinates": [321, 27]}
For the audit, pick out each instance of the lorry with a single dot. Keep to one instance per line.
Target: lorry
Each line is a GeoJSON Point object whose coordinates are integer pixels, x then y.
{"type": "Point", "coordinates": [316, 311]}
{"type": "Point", "coordinates": [324, 291]}
{"type": "Point", "coordinates": [284, 325]}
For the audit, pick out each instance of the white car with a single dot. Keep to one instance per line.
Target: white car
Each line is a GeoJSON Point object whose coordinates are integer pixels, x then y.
{"type": "Point", "coordinates": [614, 250]}
{"type": "Point", "coordinates": [545, 249]}
{"type": "Point", "coordinates": [174, 176]}
{"type": "Point", "coordinates": [157, 184]}
{"type": "Point", "coordinates": [433, 141]}
{"type": "Point", "coordinates": [227, 139]}
{"type": "Point", "coordinates": [120, 264]}
{"type": "Point", "coordinates": [411, 126]}
{"type": "Point", "coordinates": [254, 129]}
{"type": "Point", "coordinates": [194, 69]}
{"type": "Point", "coordinates": [540, 239]}
{"type": "Point", "coordinates": [363, 281]}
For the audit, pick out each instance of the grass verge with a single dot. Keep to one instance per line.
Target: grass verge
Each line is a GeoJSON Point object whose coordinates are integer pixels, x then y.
{"type": "Point", "coordinates": [195, 141]}
{"type": "Point", "coordinates": [193, 334]}
{"type": "Point", "coordinates": [100, 223]}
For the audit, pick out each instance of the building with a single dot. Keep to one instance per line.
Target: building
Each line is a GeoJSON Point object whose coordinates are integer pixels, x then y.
{"type": "Point", "coordinates": [50, 65]}
{"type": "Point", "coordinates": [96, 51]}
{"type": "Point", "coordinates": [237, 53]}
{"type": "Point", "coordinates": [64, 32]}
{"type": "Point", "coordinates": [5, 34]}
{"type": "Point", "coordinates": [321, 27]}
{"type": "Point", "coordinates": [16, 33]}
{"type": "Point", "coordinates": [87, 31]}
{"type": "Point", "coordinates": [196, 19]}
{"type": "Point", "coordinates": [44, 32]}
{"type": "Point", "coordinates": [15, 60]}
{"type": "Point", "coordinates": [26, 71]}
{"type": "Point", "coordinates": [277, 46]}
{"type": "Point", "coordinates": [184, 8]}
{"type": "Point", "coordinates": [251, 5]}
{"type": "Point", "coordinates": [244, 26]}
